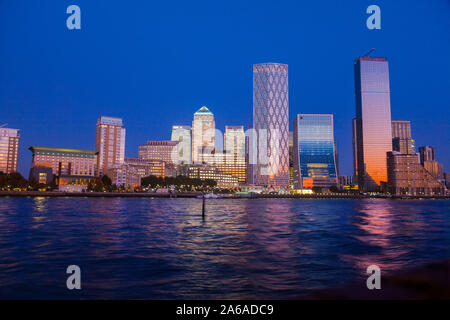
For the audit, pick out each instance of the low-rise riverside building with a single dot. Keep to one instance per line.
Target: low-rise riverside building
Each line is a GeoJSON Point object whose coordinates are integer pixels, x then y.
{"type": "Point", "coordinates": [224, 180]}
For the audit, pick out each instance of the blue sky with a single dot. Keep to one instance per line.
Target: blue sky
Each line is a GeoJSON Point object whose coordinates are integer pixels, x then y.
{"type": "Point", "coordinates": [155, 63]}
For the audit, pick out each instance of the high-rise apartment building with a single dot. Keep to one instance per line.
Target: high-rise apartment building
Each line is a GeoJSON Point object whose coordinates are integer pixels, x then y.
{"type": "Point", "coordinates": [271, 125]}
{"type": "Point", "coordinates": [372, 124]}
{"type": "Point", "coordinates": [9, 149]}
{"type": "Point", "coordinates": [401, 137]}
{"type": "Point", "coordinates": [182, 134]}
{"type": "Point", "coordinates": [203, 134]}
{"type": "Point", "coordinates": [314, 154]}
{"type": "Point", "coordinates": [109, 143]}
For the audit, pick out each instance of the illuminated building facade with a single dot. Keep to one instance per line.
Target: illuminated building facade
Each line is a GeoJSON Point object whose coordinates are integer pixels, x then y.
{"type": "Point", "coordinates": [314, 154]}
{"type": "Point", "coordinates": [372, 125]}
{"type": "Point", "coordinates": [427, 154]}
{"type": "Point", "coordinates": [124, 175]}
{"type": "Point", "coordinates": [70, 162]}
{"type": "Point", "coordinates": [109, 143]}
{"type": "Point", "coordinates": [164, 150]}
{"type": "Point", "coordinates": [407, 177]}
{"type": "Point", "coordinates": [271, 124]}
{"type": "Point", "coordinates": [203, 172]}
{"type": "Point", "coordinates": [145, 168]}
{"type": "Point", "coordinates": [428, 161]}
{"type": "Point", "coordinates": [234, 145]}
{"type": "Point", "coordinates": [41, 175]}
{"type": "Point", "coordinates": [182, 134]}
{"type": "Point", "coordinates": [401, 137]}
{"type": "Point", "coordinates": [203, 134]}
{"type": "Point", "coordinates": [9, 149]}
{"type": "Point", "coordinates": [291, 160]}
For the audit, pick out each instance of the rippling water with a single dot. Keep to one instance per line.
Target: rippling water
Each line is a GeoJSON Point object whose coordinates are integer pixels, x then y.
{"type": "Point", "coordinates": [254, 249]}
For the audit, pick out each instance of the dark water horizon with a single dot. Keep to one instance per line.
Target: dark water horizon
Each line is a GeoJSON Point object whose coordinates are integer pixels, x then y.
{"type": "Point", "coordinates": [244, 249]}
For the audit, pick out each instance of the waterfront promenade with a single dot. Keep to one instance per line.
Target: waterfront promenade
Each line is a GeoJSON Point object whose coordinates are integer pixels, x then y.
{"type": "Point", "coordinates": [196, 194]}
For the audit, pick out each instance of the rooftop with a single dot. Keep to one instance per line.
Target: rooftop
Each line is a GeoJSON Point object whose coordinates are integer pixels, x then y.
{"type": "Point", "coordinates": [367, 58]}
{"type": "Point", "coordinates": [34, 149]}
{"type": "Point", "coordinates": [203, 110]}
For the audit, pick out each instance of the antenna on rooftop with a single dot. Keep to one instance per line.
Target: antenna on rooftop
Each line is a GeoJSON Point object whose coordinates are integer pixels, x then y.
{"type": "Point", "coordinates": [370, 51]}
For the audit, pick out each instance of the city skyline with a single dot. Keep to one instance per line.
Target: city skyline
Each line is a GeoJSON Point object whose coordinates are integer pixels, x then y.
{"type": "Point", "coordinates": [396, 130]}
{"type": "Point", "coordinates": [192, 65]}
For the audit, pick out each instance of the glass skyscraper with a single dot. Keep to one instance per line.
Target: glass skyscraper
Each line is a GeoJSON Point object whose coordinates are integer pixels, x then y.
{"type": "Point", "coordinates": [271, 125]}
{"type": "Point", "coordinates": [372, 128]}
{"type": "Point", "coordinates": [314, 151]}
{"type": "Point", "coordinates": [182, 134]}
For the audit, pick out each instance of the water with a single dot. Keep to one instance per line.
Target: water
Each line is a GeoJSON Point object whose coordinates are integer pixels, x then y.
{"type": "Point", "coordinates": [244, 249]}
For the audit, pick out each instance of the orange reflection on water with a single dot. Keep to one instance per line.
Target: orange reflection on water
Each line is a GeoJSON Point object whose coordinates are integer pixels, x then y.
{"type": "Point", "coordinates": [378, 228]}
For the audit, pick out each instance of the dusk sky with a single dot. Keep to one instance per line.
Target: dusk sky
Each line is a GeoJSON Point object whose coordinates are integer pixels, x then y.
{"type": "Point", "coordinates": [154, 63]}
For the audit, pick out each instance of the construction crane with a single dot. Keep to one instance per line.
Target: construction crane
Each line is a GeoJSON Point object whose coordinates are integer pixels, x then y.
{"type": "Point", "coordinates": [370, 51]}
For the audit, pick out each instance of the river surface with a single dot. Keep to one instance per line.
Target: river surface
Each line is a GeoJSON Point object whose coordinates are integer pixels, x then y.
{"type": "Point", "coordinates": [142, 248]}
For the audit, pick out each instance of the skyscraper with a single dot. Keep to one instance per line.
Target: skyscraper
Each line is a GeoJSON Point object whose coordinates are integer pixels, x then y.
{"type": "Point", "coordinates": [182, 134]}
{"type": "Point", "coordinates": [9, 149]}
{"type": "Point", "coordinates": [372, 125]}
{"type": "Point", "coordinates": [401, 137]}
{"type": "Point", "coordinates": [314, 153]}
{"type": "Point", "coordinates": [234, 153]}
{"type": "Point", "coordinates": [203, 134]}
{"type": "Point", "coordinates": [271, 124]}
{"type": "Point", "coordinates": [109, 143]}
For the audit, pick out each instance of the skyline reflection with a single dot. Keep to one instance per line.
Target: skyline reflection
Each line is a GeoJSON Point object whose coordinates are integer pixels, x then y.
{"type": "Point", "coordinates": [244, 249]}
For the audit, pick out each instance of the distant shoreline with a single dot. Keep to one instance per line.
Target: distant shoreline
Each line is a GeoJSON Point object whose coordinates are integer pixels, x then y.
{"type": "Point", "coordinates": [196, 194]}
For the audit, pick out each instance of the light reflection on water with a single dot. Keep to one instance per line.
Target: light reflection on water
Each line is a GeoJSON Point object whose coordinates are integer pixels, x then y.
{"type": "Point", "coordinates": [162, 248]}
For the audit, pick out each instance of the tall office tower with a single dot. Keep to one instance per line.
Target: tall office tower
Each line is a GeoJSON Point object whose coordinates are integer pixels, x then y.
{"type": "Point", "coordinates": [182, 134]}
{"type": "Point", "coordinates": [109, 143]}
{"type": "Point", "coordinates": [427, 154]}
{"type": "Point", "coordinates": [372, 126]}
{"type": "Point", "coordinates": [271, 124]}
{"type": "Point", "coordinates": [314, 153]}
{"type": "Point", "coordinates": [234, 153]}
{"type": "Point", "coordinates": [9, 149]}
{"type": "Point", "coordinates": [401, 137]}
{"type": "Point", "coordinates": [203, 134]}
